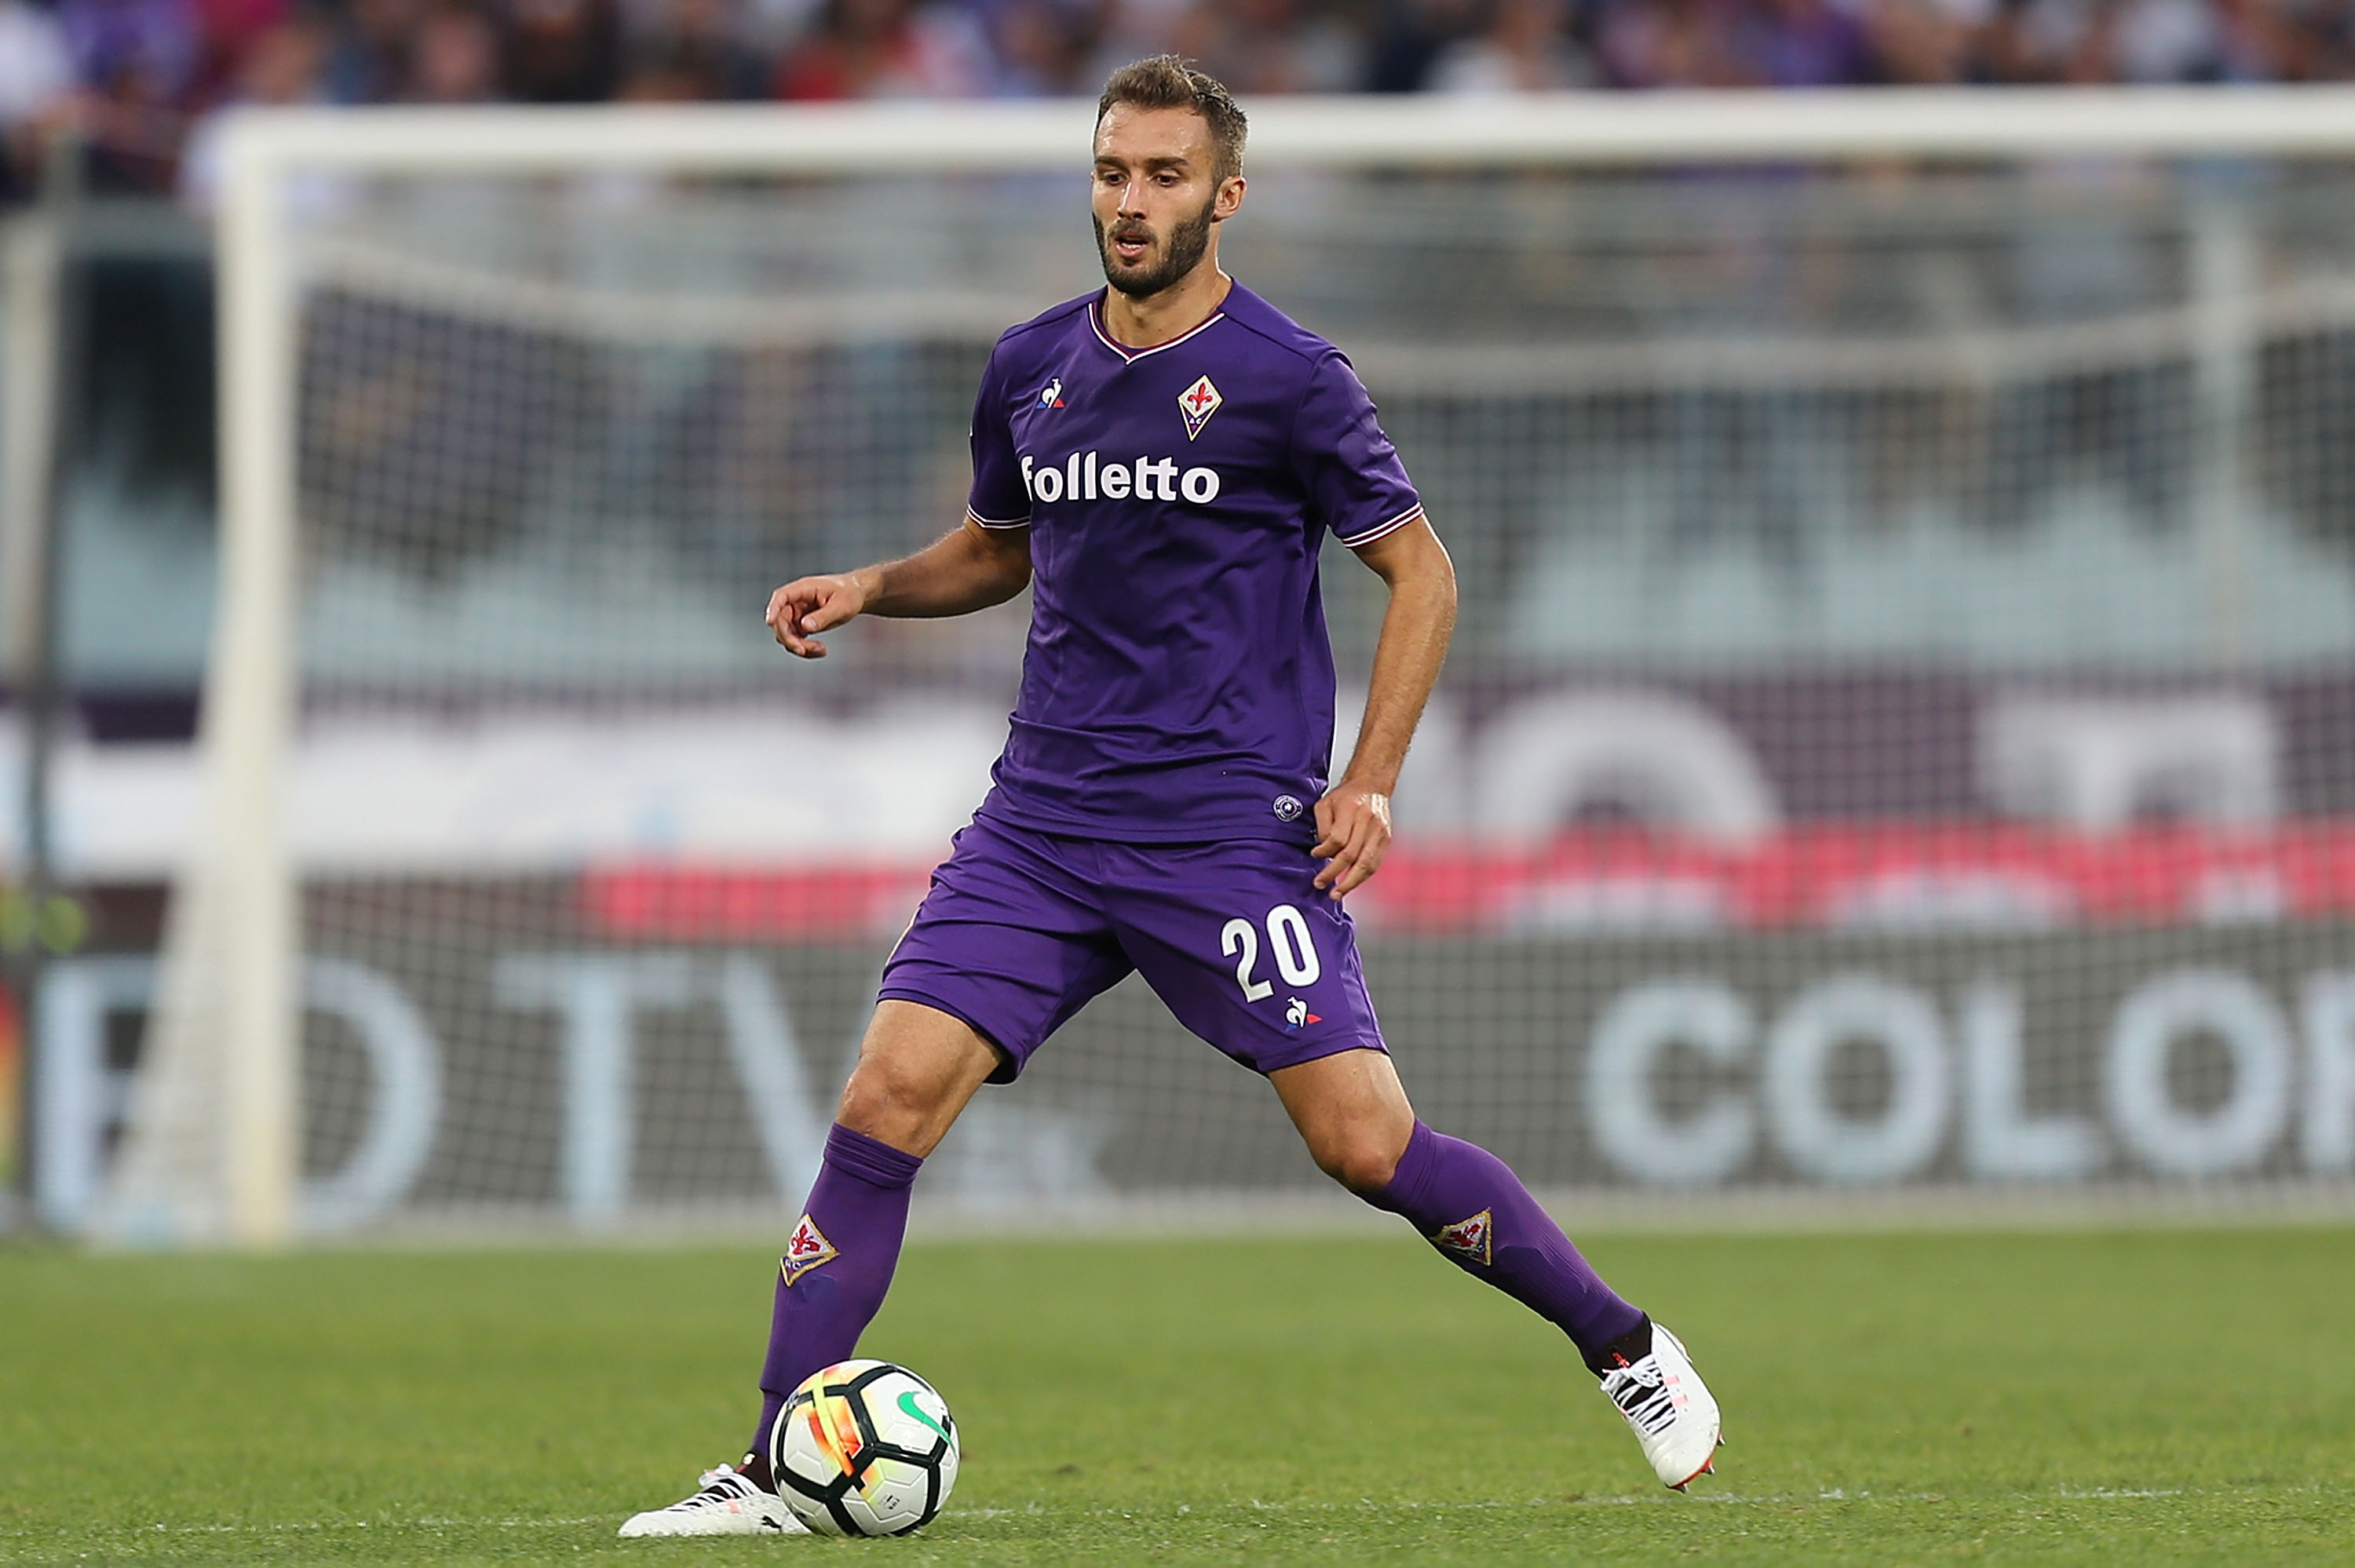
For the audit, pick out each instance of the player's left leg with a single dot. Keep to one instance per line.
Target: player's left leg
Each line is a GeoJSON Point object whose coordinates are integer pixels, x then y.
{"type": "Point", "coordinates": [1256, 961]}
{"type": "Point", "coordinates": [1354, 1115]}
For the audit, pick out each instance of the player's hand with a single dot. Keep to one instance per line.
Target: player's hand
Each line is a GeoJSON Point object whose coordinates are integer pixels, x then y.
{"type": "Point", "coordinates": [1353, 834]}
{"type": "Point", "coordinates": [807, 606]}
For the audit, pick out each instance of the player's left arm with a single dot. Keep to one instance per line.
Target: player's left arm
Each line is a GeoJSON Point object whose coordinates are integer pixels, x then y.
{"type": "Point", "coordinates": [1353, 820]}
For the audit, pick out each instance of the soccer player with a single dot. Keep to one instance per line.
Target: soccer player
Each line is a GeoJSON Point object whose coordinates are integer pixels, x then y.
{"type": "Point", "coordinates": [1160, 461]}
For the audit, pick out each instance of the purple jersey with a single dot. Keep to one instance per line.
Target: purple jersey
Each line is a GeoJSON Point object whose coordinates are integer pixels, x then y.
{"type": "Point", "coordinates": [1178, 681]}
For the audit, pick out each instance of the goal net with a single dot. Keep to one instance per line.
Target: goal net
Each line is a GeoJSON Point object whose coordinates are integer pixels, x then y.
{"type": "Point", "coordinates": [1900, 737]}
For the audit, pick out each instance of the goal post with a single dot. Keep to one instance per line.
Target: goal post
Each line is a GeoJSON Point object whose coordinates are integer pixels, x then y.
{"type": "Point", "coordinates": [481, 234]}
{"type": "Point", "coordinates": [212, 1155]}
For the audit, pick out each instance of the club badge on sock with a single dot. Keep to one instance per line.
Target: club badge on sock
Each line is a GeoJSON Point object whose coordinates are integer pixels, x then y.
{"type": "Point", "coordinates": [807, 1247]}
{"type": "Point", "coordinates": [1467, 1238]}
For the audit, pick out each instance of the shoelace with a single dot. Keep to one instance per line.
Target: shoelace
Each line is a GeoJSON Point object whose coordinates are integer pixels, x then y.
{"type": "Point", "coordinates": [1641, 1394]}
{"type": "Point", "coordinates": [1644, 1373]}
{"type": "Point", "coordinates": [717, 1480]}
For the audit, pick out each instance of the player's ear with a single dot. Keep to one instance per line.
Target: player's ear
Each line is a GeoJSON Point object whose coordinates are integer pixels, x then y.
{"type": "Point", "coordinates": [1229, 198]}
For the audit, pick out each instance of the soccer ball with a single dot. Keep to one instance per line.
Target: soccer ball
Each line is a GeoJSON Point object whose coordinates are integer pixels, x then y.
{"type": "Point", "coordinates": [864, 1448]}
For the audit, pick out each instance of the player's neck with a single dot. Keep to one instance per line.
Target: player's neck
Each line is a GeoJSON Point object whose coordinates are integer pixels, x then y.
{"type": "Point", "coordinates": [1172, 313]}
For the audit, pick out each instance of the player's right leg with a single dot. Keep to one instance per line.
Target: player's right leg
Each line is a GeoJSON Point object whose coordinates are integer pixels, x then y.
{"type": "Point", "coordinates": [917, 1068]}
{"type": "Point", "coordinates": [1009, 943]}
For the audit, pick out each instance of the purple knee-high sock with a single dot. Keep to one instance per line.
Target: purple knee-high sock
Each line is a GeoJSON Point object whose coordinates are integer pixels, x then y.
{"type": "Point", "coordinates": [836, 1266]}
{"type": "Point", "coordinates": [1468, 1204]}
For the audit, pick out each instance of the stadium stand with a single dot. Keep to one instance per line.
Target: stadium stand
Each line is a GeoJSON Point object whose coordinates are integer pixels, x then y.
{"type": "Point", "coordinates": [137, 80]}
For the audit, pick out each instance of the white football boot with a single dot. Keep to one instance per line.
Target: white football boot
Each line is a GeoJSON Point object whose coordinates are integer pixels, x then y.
{"type": "Point", "coordinates": [727, 1502]}
{"type": "Point", "coordinates": [1671, 1410]}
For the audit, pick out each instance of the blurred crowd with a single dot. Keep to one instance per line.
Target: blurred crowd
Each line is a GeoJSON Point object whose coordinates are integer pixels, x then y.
{"type": "Point", "coordinates": [133, 78]}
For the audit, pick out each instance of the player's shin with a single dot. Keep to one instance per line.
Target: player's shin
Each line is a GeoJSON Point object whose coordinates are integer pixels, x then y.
{"type": "Point", "coordinates": [1468, 1204]}
{"type": "Point", "coordinates": [836, 1268]}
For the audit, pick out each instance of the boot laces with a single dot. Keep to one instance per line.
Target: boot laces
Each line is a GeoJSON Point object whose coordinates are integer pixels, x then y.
{"type": "Point", "coordinates": [719, 1484]}
{"type": "Point", "coordinates": [1641, 1394]}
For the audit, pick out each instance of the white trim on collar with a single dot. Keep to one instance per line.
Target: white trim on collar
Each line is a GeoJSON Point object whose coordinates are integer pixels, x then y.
{"type": "Point", "coordinates": [1130, 355]}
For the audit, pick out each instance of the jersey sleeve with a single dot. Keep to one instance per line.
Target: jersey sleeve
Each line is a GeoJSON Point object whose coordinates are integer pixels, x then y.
{"type": "Point", "coordinates": [998, 498]}
{"type": "Point", "coordinates": [1356, 486]}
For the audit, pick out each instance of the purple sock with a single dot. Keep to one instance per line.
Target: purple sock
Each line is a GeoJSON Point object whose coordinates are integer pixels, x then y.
{"type": "Point", "coordinates": [836, 1266]}
{"type": "Point", "coordinates": [1468, 1204]}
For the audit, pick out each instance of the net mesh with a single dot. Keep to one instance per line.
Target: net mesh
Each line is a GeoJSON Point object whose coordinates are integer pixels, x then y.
{"type": "Point", "coordinates": [1898, 732]}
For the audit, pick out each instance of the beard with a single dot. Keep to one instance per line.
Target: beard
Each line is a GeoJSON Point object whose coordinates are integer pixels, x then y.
{"type": "Point", "coordinates": [1189, 237]}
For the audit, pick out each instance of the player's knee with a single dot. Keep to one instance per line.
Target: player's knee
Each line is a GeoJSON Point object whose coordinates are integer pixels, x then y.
{"type": "Point", "coordinates": [890, 1101]}
{"type": "Point", "coordinates": [1362, 1159]}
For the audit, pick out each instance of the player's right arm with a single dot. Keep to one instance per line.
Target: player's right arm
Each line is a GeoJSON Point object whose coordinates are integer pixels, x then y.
{"type": "Point", "coordinates": [986, 561]}
{"type": "Point", "coordinates": [969, 569]}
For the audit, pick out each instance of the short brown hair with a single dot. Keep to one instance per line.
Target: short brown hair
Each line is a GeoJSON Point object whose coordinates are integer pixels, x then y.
{"type": "Point", "coordinates": [1169, 81]}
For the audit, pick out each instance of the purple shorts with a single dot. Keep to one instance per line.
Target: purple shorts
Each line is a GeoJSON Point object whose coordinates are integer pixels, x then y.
{"type": "Point", "coordinates": [1021, 928]}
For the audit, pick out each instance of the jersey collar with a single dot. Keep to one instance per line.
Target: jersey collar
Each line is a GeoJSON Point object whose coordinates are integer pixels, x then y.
{"type": "Point", "coordinates": [1130, 355]}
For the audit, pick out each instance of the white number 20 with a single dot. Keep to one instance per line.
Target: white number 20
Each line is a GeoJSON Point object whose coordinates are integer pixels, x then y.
{"type": "Point", "coordinates": [1287, 936]}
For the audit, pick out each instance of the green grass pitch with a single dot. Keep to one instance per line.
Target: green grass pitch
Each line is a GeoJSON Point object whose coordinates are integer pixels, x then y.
{"type": "Point", "coordinates": [2134, 1397]}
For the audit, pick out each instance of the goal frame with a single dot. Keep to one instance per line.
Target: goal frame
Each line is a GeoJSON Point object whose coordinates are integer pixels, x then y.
{"type": "Point", "coordinates": [240, 876]}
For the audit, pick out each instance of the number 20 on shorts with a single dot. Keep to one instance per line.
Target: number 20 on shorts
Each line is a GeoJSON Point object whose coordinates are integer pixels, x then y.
{"type": "Point", "coordinates": [1287, 938]}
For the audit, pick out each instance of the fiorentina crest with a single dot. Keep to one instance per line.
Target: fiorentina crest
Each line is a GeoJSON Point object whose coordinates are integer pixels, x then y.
{"type": "Point", "coordinates": [1467, 1238]}
{"type": "Point", "coordinates": [1198, 403]}
{"type": "Point", "coordinates": [807, 1247]}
